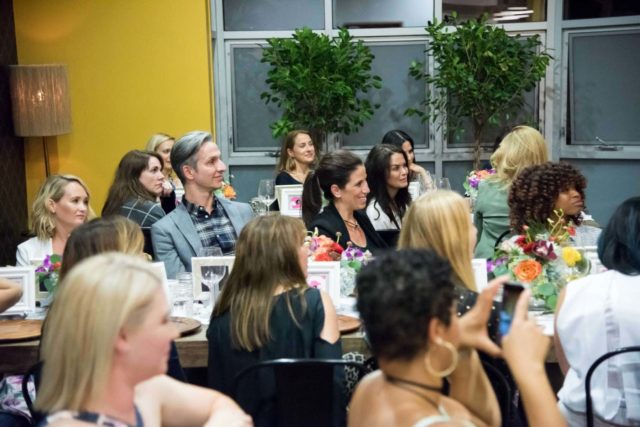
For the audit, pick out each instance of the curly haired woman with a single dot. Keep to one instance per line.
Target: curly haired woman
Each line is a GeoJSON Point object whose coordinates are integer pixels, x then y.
{"type": "Point", "coordinates": [542, 189]}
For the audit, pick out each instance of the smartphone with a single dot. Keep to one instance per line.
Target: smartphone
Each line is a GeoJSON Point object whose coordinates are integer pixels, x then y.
{"type": "Point", "coordinates": [510, 293]}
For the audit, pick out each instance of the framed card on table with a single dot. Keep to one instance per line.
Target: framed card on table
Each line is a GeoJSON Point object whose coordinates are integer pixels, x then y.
{"type": "Point", "coordinates": [289, 199]}
{"type": "Point", "coordinates": [26, 278]}
{"type": "Point", "coordinates": [199, 267]}
{"type": "Point", "coordinates": [325, 275]}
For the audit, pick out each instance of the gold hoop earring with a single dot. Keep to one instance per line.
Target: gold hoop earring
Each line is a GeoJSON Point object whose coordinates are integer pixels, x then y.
{"type": "Point", "coordinates": [454, 360]}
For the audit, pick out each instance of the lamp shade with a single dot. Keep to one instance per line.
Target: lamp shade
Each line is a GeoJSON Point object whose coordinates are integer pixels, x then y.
{"type": "Point", "coordinates": [40, 100]}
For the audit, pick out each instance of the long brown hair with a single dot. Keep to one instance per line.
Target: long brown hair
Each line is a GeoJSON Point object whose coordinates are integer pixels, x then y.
{"type": "Point", "coordinates": [285, 163]}
{"type": "Point", "coordinates": [126, 183]}
{"type": "Point", "coordinates": [266, 258]}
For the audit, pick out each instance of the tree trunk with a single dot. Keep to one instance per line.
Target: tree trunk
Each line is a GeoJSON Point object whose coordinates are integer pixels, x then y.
{"type": "Point", "coordinates": [319, 138]}
{"type": "Point", "coordinates": [477, 140]}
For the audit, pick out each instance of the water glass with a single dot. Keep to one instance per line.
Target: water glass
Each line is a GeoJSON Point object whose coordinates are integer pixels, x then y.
{"type": "Point", "coordinates": [181, 295]}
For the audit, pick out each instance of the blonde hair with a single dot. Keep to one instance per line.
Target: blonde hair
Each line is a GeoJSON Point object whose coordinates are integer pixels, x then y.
{"type": "Point", "coordinates": [105, 294]}
{"type": "Point", "coordinates": [156, 140]}
{"type": "Point", "coordinates": [106, 234]}
{"type": "Point", "coordinates": [43, 220]}
{"type": "Point", "coordinates": [524, 146]}
{"type": "Point", "coordinates": [266, 258]}
{"type": "Point", "coordinates": [440, 221]}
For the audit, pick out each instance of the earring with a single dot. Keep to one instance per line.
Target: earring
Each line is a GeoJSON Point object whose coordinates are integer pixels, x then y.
{"type": "Point", "coordinates": [454, 360]}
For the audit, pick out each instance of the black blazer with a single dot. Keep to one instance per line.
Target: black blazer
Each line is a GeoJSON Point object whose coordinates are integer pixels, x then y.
{"type": "Point", "coordinates": [329, 222]}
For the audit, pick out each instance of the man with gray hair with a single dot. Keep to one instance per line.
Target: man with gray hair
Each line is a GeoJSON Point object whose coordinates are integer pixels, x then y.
{"type": "Point", "coordinates": [202, 220]}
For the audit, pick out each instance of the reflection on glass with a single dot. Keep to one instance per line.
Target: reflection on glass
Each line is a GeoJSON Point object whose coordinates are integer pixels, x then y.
{"type": "Point", "coordinates": [499, 11]}
{"type": "Point", "coordinates": [381, 13]}
{"type": "Point", "coordinates": [274, 15]}
{"type": "Point", "coordinates": [586, 9]}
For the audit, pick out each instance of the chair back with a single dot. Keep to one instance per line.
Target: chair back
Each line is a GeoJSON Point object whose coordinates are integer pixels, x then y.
{"type": "Point", "coordinates": [502, 389]}
{"type": "Point", "coordinates": [631, 403]}
{"type": "Point", "coordinates": [34, 373]}
{"type": "Point", "coordinates": [294, 392]}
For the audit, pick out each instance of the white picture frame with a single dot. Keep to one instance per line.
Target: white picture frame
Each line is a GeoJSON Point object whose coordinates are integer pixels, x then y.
{"type": "Point", "coordinates": [24, 276]}
{"type": "Point", "coordinates": [290, 200]}
{"type": "Point", "coordinates": [414, 190]}
{"type": "Point", "coordinates": [197, 263]}
{"type": "Point", "coordinates": [325, 275]}
{"type": "Point", "coordinates": [480, 273]}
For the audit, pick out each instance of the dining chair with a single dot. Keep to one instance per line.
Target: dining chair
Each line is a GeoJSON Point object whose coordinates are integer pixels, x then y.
{"type": "Point", "coordinates": [502, 390]}
{"type": "Point", "coordinates": [294, 392]}
{"type": "Point", "coordinates": [618, 379]}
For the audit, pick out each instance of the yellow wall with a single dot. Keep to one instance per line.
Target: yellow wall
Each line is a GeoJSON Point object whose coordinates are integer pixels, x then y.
{"type": "Point", "coordinates": [136, 67]}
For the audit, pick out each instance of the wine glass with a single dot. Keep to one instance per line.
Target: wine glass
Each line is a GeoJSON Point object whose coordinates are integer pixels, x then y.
{"type": "Point", "coordinates": [267, 192]}
{"type": "Point", "coordinates": [211, 274]}
{"type": "Point", "coordinates": [443, 184]}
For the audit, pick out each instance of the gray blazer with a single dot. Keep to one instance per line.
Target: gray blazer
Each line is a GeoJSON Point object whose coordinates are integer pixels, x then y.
{"type": "Point", "coordinates": [176, 241]}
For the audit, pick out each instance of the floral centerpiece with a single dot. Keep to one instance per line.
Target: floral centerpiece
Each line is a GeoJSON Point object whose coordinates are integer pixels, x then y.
{"type": "Point", "coordinates": [351, 262]}
{"type": "Point", "coordinates": [323, 248]}
{"type": "Point", "coordinates": [472, 182]}
{"type": "Point", "coordinates": [48, 273]}
{"type": "Point", "coordinates": [543, 258]}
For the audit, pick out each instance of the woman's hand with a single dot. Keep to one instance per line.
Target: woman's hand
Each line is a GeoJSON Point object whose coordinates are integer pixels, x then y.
{"type": "Point", "coordinates": [167, 188]}
{"type": "Point", "coordinates": [473, 324]}
{"type": "Point", "coordinates": [525, 346]}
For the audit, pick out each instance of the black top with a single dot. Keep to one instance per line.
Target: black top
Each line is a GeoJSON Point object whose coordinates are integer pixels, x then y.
{"type": "Point", "coordinates": [287, 340]}
{"type": "Point", "coordinates": [329, 222]}
{"type": "Point", "coordinates": [284, 178]}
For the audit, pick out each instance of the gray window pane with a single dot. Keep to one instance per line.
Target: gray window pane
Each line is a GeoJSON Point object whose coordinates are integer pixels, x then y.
{"type": "Point", "coordinates": [585, 9]}
{"type": "Point", "coordinates": [457, 173]}
{"type": "Point", "coordinates": [528, 115]}
{"type": "Point", "coordinates": [604, 88]}
{"type": "Point", "coordinates": [381, 13]}
{"type": "Point", "coordinates": [399, 91]}
{"type": "Point", "coordinates": [262, 15]}
{"type": "Point", "coordinates": [499, 11]}
{"type": "Point", "coordinates": [251, 116]}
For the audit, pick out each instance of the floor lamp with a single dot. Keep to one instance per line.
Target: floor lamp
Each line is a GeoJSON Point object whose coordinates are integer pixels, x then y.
{"type": "Point", "coordinates": [40, 102]}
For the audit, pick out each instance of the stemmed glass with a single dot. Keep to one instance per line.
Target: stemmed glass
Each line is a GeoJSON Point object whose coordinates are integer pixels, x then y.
{"type": "Point", "coordinates": [211, 274]}
{"type": "Point", "coordinates": [266, 192]}
{"type": "Point", "coordinates": [443, 184]}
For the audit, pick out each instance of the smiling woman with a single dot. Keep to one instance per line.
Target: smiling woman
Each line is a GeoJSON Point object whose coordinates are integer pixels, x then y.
{"type": "Point", "coordinates": [135, 190]}
{"type": "Point", "coordinates": [61, 205]}
{"type": "Point", "coordinates": [342, 179]}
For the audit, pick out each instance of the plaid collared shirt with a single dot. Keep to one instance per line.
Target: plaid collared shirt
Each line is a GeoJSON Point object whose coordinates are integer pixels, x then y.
{"type": "Point", "coordinates": [214, 229]}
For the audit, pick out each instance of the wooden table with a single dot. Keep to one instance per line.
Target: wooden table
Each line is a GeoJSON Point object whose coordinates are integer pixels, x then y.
{"type": "Point", "coordinates": [17, 358]}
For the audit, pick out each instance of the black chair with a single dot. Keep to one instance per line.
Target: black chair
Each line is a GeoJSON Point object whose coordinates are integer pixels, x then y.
{"type": "Point", "coordinates": [592, 368]}
{"type": "Point", "coordinates": [503, 391]}
{"type": "Point", "coordinates": [35, 372]}
{"type": "Point", "coordinates": [294, 392]}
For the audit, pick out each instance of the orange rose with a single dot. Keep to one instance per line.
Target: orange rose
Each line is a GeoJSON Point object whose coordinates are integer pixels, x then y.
{"type": "Point", "coordinates": [228, 192]}
{"type": "Point", "coordinates": [526, 271]}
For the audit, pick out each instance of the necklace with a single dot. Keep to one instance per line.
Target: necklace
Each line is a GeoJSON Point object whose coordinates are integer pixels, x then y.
{"type": "Point", "coordinates": [352, 224]}
{"type": "Point", "coordinates": [406, 385]}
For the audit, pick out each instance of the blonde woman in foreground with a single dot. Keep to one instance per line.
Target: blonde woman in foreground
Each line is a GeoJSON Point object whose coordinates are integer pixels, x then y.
{"type": "Point", "coordinates": [116, 352]}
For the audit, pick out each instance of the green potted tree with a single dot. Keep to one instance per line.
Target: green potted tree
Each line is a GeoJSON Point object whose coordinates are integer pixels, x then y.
{"type": "Point", "coordinates": [319, 83]}
{"type": "Point", "coordinates": [482, 74]}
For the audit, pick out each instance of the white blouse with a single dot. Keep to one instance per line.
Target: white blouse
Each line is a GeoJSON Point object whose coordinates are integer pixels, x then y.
{"type": "Point", "coordinates": [379, 219]}
{"type": "Point", "coordinates": [600, 314]}
{"type": "Point", "coordinates": [33, 251]}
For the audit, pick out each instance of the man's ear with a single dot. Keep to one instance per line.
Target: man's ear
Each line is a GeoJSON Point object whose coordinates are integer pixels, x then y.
{"type": "Point", "coordinates": [336, 191]}
{"type": "Point", "coordinates": [187, 171]}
